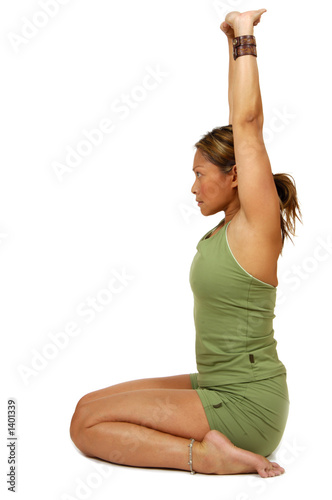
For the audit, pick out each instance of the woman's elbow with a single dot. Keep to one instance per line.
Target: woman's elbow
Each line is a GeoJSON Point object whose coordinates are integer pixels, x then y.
{"type": "Point", "coordinates": [250, 119]}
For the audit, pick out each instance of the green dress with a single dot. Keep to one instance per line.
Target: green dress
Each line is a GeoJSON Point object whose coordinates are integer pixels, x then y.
{"type": "Point", "coordinates": [240, 381]}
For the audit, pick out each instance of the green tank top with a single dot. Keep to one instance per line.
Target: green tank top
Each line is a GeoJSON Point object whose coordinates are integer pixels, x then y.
{"type": "Point", "coordinates": [233, 314]}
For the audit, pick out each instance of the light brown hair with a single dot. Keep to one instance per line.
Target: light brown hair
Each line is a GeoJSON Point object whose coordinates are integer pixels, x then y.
{"type": "Point", "coordinates": [217, 147]}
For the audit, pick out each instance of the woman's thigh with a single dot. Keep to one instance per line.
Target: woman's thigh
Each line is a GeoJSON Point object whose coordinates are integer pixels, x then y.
{"type": "Point", "coordinates": [173, 382]}
{"type": "Point", "coordinates": [173, 411]}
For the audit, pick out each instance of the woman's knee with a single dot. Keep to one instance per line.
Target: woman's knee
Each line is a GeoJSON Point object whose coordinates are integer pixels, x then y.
{"type": "Point", "coordinates": [90, 396]}
{"type": "Point", "coordinates": [84, 399]}
{"type": "Point", "coordinates": [78, 426]}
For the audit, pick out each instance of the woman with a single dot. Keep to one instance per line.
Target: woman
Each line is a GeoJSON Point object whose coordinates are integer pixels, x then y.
{"type": "Point", "coordinates": [230, 415]}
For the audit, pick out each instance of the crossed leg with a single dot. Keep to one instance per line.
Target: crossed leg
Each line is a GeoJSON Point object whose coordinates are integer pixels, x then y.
{"type": "Point", "coordinates": [148, 423]}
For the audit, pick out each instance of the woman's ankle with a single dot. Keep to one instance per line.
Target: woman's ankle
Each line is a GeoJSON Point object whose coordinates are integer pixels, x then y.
{"type": "Point", "coordinates": [201, 459]}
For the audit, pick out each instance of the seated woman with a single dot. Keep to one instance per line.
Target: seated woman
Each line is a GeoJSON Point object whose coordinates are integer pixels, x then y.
{"type": "Point", "coordinates": [231, 415]}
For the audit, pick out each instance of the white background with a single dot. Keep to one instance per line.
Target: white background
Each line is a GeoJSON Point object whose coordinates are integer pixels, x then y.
{"type": "Point", "coordinates": [127, 207]}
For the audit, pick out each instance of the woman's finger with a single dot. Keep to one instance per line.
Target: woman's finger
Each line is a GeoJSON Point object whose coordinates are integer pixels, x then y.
{"type": "Point", "coordinates": [225, 26]}
{"type": "Point", "coordinates": [259, 13]}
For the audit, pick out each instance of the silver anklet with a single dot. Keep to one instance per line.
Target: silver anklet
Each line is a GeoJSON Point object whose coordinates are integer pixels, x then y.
{"type": "Point", "coordinates": [190, 445]}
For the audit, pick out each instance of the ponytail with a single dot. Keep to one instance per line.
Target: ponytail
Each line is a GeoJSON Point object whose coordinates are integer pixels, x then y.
{"type": "Point", "coordinates": [289, 205]}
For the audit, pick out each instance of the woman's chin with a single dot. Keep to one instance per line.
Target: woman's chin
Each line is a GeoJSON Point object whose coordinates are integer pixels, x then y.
{"type": "Point", "coordinates": [205, 210]}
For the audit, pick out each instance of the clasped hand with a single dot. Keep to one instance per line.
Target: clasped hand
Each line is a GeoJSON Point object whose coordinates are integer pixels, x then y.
{"type": "Point", "coordinates": [235, 22]}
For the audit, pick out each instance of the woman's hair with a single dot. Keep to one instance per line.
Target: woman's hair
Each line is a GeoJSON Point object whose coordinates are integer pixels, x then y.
{"type": "Point", "coordinates": [217, 147]}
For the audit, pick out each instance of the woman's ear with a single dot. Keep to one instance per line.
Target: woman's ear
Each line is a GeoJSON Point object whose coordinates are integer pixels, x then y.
{"type": "Point", "coordinates": [234, 176]}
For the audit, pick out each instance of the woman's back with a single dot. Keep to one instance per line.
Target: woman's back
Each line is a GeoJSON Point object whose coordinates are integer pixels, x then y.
{"type": "Point", "coordinates": [253, 250]}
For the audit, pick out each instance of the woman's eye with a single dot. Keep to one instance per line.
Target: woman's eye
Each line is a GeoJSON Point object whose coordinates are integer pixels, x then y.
{"type": "Point", "coordinates": [197, 174]}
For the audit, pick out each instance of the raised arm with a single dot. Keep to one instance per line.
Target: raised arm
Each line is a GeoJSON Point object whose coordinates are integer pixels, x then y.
{"type": "Point", "coordinates": [229, 32]}
{"type": "Point", "coordinates": [256, 188]}
{"type": "Point", "coordinates": [246, 104]}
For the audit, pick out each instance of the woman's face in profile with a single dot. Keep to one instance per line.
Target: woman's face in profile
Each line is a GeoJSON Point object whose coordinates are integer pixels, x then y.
{"type": "Point", "coordinates": [213, 189]}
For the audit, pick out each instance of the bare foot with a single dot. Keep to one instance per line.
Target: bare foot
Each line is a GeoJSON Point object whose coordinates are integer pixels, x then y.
{"type": "Point", "coordinates": [216, 454]}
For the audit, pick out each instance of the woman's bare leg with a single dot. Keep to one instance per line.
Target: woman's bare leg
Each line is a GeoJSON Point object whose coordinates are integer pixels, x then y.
{"type": "Point", "coordinates": [132, 444]}
{"type": "Point", "coordinates": [151, 428]}
{"type": "Point", "coordinates": [173, 382]}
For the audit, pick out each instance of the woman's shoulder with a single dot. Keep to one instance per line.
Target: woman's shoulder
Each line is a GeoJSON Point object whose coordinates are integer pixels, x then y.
{"type": "Point", "coordinates": [253, 249]}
